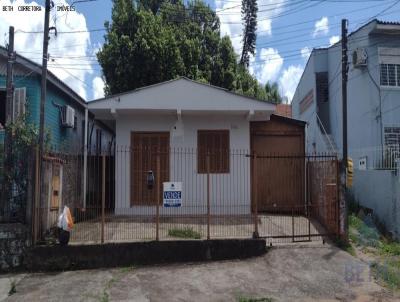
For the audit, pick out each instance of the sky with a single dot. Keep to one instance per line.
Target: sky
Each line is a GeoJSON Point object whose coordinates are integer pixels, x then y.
{"type": "Point", "coordinates": [287, 32]}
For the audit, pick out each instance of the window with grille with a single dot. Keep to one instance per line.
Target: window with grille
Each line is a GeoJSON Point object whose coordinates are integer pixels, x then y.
{"type": "Point", "coordinates": [213, 144]}
{"type": "Point", "coordinates": [390, 75]}
{"type": "Point", "coordinates": [392, 137]}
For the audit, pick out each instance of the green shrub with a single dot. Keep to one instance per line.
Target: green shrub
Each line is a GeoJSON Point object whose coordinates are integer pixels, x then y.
{"type": "Point", "coordinates": [246, 299]}
{"type": "Point", "coordinates": [184, 233]}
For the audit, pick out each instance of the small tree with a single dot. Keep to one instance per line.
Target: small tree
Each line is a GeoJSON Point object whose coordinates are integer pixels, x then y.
{"type": "Point", "coordinates": [15, 179]}
{"type": "Point", "coordinates": [249, 15]}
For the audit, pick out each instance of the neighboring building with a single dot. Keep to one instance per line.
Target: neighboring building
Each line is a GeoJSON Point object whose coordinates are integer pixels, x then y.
{"type": "Point", "coordinates": [64, 120]}
{"type": "Point", "coordinates": [183, 121]}
{"type": "Point", "coordinates": [373, 111]}
{"type": "Point", "coordinates": [284, 110]}
{"type": "Point", "coordinates": [27, 85]}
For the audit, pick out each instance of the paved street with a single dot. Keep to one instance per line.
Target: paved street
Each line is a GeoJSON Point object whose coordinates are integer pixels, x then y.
{"type": "Point", "coordinates": [308, 273]}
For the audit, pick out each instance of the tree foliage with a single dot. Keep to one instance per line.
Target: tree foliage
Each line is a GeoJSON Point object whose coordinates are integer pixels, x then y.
{"type": "Point", "coordinates": [151, 41]}
{"type": "Point", "coordinates": [15, 167]}
{"type": "Point", "coordinates": [272, 93]}
{"type": "Point", "coordinates": [249, 16]}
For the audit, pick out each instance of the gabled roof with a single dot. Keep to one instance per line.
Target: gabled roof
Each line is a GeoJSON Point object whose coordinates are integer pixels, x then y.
{"type": "Point", "coordinates": [37, 68]}
{"type": "Point", "coordinates": [181, 94]}
{"type": "Point", "coordinates": [174, 80]}
{"type": "Point", "coordinates": [276, 117]}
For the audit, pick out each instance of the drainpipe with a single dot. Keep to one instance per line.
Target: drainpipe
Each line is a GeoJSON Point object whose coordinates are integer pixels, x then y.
{"type": "Point", "coordinates": [85, 158]}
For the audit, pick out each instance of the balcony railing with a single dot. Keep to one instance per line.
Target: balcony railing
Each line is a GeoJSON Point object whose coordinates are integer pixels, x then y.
{"type": "Point", "coordinates": [376, 158]}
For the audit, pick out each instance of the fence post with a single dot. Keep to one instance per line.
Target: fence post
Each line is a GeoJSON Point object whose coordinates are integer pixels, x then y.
{"type": "Point", "coordinates": [337, 207]}
{"type": "Point", "coordinates": [308, 197]}
{"type": "Point", "coordinates": [158, 188]}
{"type": "Point", "coordinates": [208, 195]}
{"type": "Point", "coordinates": [35, 212]}
{"type": "Point", "coordinates": [103, 196]}
{"type": "Point", "coordinates": [292, 224]}
{"type": "Point", "coordinates": [255, 188]}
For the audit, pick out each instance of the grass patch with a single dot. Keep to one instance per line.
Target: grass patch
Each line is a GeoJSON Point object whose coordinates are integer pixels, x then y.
{"type": "Point", "coordinates": [362, 233]}
{"type": "Point", "coordinates": [390, 248]}
{"type": "Point", "coordinates": [246, 299]}
{"type": "Point", "coordinates": [184, 233]}
{"type": "Point", "coordinates": [127, 269]}
{"type": "Point", "coordinates": [346, 246]}
{"type": "Point", "coordinates": [365, 235]}
{"type": "Point", "coordinates": [388, 272]}
{"type": "Point", "coordinates": [386, 267]}
{"type": "Point", "coordinates": [104, 297]}
{"type": "Point", "coordinates": [13, 287]}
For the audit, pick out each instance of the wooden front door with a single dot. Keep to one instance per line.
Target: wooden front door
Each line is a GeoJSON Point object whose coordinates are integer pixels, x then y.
{"type": "Point", "coordinates": [145, 148]}
{"type": "Point", "coordinates": [279, 167]}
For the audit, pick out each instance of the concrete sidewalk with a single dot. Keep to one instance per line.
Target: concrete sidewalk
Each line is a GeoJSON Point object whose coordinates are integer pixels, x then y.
{"type": "Point", "coordinates": [309, 273]}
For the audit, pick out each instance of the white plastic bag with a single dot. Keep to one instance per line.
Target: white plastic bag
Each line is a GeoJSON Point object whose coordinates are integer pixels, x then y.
{"type": "Point", "coordinates": [65, 220]}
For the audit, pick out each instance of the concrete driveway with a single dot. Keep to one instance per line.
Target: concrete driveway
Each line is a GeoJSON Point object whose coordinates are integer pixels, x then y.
{"type": "Point", "coordinates": [308, 273]}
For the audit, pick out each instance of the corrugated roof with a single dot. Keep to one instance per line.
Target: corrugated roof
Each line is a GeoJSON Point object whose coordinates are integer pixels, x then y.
{"type": "Point", "coordinates": [50, 76]}
{"type": "Point", "coordinates": [387, 22]}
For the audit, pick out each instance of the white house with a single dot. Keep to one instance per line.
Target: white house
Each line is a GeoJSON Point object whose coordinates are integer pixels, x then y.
{"type": "Point", "coordinates": [179, 120]}
{"type": "Point", "coordinates": [373, 112]}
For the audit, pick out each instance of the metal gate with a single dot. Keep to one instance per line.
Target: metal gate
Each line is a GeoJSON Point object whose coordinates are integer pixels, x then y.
{"type": "Point", "coordinates": [295, 197]}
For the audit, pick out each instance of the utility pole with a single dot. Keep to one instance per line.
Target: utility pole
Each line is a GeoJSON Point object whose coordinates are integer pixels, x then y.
{"type": "Point", "coordinates": [9, 115]}
{"type": "Point", "coordinates": [344, 87]}
{"type": "Point", "coordinates": [343, 203]}
{"type": "Point", "coordinates": [10, 84]}
{"type": "Point", "coordinates": [44, 77]}
{"type": "Point", "coordinates": [39, 157]}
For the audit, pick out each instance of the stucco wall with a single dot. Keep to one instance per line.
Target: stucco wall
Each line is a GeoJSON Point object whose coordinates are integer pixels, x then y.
{"type": "Point", "coordinates": [379, 190]}
{"type": "Point", "coordinates": [364, 105]}
{"type": "Point", "coordinates": [314, 137]}
{"type": "Point", "coordinates": [231, 189]}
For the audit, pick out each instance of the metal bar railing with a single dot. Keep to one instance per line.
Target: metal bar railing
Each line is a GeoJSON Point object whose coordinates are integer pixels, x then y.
{"type": "Point", "coordinates": [258, 195]}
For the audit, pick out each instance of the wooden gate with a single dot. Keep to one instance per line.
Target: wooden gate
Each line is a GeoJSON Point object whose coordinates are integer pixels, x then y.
{"type": "Point", "coordinates": [280, 182]}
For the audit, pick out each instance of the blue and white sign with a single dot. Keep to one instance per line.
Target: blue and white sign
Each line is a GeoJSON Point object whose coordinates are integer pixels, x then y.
{"type": "Point", "coordinates": [172, 194]}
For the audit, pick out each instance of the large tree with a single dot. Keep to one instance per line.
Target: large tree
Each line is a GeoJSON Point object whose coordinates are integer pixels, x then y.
{"type": "Point", "coordinates": [272, 93]}
{"type": "Point", "coordinates": [150, 41]}
{"type": "Point", "coordinates": [249, 16]}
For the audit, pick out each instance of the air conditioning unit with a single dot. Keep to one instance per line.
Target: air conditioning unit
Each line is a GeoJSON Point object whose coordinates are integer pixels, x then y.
{"type": "Point", "coordinates": [360, 57]}
{"type": "Point", "coordinates": [67, 116]}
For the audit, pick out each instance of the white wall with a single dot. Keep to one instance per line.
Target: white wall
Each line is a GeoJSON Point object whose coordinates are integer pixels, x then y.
{"type": "Point", "coordinates": [379, 190]}
{"type": "Point", "coordinates": [230, 193]}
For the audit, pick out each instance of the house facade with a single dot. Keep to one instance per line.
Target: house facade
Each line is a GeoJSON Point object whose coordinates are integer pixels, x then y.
{"type": "Point", "coordinates": [195, 128]}
{"type": "Point", "coordinates": [373, 111]}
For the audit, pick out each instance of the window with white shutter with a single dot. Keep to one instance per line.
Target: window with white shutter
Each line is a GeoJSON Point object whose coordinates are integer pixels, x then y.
{"type": "Point", "coordinates": [19, 105]}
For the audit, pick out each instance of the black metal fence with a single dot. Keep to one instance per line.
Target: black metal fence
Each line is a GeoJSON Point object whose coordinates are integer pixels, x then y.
{"type": "Point", "coordinates": [229, 194]}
